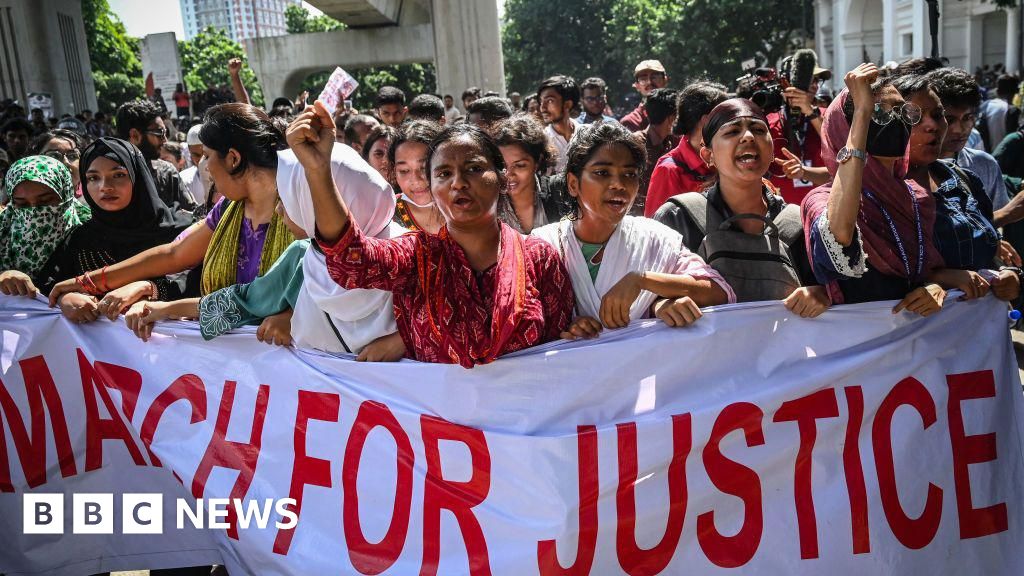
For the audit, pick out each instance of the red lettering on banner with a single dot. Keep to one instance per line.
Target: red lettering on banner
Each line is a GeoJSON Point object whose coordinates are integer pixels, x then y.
{"type": "Point", "coordinates": [457, 497]}
{"type": "Point", "coordinates": [914, 533]}
{"type": "Point", "coordinates": [733, 478]}
{"type": "Point", "coordinates": [125, 380]}
{"type": "Point", "coordinates": [234, 455]}
{"type": "Point", "coordinates": [322, 406]}
{"type": "Point", "coordinates": [547, 552]}
{"type": "Point", "coordinates": [853, 469]}
{"type": "Point", "coordinates": [370, 558]}
{"type": "Point", "coordinates": [806, 412]}
{"type": "Point", "coordinates": [635, 560]}
{"type": "Point", "coordinates": [186, 387]}
{"type": "Point", "coordinates": [42, 396]}
{"type": "Point", "coordinates": [98, 429]}
{"type": "Point", "coordinates": [974, 449]}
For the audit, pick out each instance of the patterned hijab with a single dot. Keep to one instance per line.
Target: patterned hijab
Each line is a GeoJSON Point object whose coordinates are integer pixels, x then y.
{"type": "Point", "coordinates": [29, 235]}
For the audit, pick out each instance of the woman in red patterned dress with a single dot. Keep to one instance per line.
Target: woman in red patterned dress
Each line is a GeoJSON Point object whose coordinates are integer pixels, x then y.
{"type": "Point", "coordinates": [472, 292]}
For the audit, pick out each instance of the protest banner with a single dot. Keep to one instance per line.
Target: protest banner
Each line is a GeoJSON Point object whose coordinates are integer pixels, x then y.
{"type": "Point", "coordinates": [859, 442]}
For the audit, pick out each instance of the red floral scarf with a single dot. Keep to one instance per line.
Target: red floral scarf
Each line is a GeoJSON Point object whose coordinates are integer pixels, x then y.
{"type": "Point", "coordinates": [455, 318]}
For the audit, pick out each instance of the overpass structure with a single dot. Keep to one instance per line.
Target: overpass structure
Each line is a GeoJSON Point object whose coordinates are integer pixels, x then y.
{"type": "Point", "coordinates": [460, 37]}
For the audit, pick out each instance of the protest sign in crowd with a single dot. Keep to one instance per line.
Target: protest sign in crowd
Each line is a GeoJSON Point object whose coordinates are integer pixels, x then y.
{"type": "Point", "coordinates": [416, 231]}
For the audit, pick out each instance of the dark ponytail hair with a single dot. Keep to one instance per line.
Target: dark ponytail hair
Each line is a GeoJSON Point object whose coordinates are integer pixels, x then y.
{"type": "Point", "coordinates": [247, 129]}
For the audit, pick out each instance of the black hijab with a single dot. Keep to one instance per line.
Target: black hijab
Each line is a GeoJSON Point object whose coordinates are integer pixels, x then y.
{"type": "Point", "coordinates": [145, 222]}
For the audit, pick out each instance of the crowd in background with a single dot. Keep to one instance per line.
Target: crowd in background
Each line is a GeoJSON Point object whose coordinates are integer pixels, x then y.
{"type": "Point", "coordinates": [425, 230]}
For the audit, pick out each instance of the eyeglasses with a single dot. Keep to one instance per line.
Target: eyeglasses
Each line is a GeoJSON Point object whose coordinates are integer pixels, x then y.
{"type": "Point", "coordinates": [69, 156]}
{"type": "Point", "coordinates": [594, 99]}
{"type": "Point", "coordinates": [158, 133]}
{"type": "Point", "coordinates": [648, 78]}
{"type": "Point", "coordinates": [908, 112]}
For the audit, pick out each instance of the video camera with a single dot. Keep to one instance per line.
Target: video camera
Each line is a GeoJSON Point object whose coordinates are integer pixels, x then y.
{"type": "Point", "coordinates": [762, 86]}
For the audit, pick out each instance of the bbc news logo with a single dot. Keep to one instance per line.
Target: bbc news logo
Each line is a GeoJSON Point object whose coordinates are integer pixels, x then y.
{"type": "Point", "coordinates": [144, 513]}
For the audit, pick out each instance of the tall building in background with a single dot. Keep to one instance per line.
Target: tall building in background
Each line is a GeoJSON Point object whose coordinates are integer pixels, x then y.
{"type": "Point", "coordinates": [241, 19]}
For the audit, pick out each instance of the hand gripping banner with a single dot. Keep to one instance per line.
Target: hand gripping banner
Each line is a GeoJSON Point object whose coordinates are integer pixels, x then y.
{"type": "Point", "coordinates": [860, 442]}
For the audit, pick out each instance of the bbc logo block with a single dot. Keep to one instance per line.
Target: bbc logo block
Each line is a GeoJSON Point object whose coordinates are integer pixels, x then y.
{"type": "Point", "coordinates": [43, 514]}
{"type": "Point", "coordinates": [93, 514]}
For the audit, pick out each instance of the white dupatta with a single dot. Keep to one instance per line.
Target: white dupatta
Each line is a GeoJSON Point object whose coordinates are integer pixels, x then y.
{"type": "Point", "coordinates": [328, 317]}
{"type": "Point", "coordinates": [636, 245]}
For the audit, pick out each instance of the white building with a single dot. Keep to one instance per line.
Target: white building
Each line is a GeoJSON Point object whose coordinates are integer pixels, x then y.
{"type": "Point", "coordinates": [972, 33]}
{"type": "Point", "coordinates": [242, 19]}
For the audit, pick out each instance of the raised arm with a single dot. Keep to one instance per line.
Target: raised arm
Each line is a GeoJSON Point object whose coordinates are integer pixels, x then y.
{"type": "Point", "coordinates": [844, 198]}
{"type": "Point", "coordinates": [311, 137]}
{"type": "Point", "coordinates": [235, 70]}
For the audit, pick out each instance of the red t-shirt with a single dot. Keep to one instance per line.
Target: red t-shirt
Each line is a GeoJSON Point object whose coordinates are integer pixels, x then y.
{"type": "Point", "coordinates": [793, 191]}
{"type": "Point", "coordinates": [636, 120]}
{"type": "Point", "coordinates": [181, 99]}
{"type": "Point", "coordinates": [681, 170]}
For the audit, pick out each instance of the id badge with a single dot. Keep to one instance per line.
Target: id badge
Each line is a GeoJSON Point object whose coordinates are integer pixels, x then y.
{"type": "Point", "coordinates": [800, 183]}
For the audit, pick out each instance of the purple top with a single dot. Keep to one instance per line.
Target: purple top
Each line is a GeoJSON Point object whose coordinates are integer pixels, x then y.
{"type": "Point", "coordinates": [250, 245]}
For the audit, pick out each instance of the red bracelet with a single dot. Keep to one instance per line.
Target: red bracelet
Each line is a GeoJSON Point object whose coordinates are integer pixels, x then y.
{"type": "Point", "coordinates": [103, 280]}
{"type": "Point", "coordinates": [87, 284]}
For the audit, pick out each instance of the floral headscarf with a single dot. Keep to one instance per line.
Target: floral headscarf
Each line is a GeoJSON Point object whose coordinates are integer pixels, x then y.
{"type": "Point", "coordinates": [29, 235]}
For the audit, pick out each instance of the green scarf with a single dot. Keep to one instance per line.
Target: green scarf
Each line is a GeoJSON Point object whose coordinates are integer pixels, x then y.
{"type": "Point", "coordinates": [29, 235]}
{"type": "Point", "coordinates": [220, 265]}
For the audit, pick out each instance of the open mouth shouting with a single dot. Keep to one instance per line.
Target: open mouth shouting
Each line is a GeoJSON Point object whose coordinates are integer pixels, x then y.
{"type": "Point", "coordinates": [619, 204]}
{"type": "Point", "coordinates": [748, 159]}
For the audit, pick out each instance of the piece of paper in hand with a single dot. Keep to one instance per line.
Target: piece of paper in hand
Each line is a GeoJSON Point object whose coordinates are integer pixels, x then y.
{"type": "Point", "coordinates": [339, 86]}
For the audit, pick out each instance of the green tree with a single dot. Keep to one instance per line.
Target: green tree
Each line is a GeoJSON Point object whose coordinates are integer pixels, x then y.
{"type": "Point", "coordinates": [114, 56]}
{"type": "Point", "coordinates": [205, 62]}
{"type": "Point", "coordinates": [607, 38]}
{"type": "Point", "coordinates": [298, 20]}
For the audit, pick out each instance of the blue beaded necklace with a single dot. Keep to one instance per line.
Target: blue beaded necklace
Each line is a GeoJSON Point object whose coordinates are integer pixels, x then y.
{"type": "Point", "coordinates": [896, 237]}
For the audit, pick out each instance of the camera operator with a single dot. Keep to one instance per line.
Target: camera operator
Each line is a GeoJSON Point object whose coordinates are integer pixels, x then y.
{"type": "Point", "coordinates": [796, 129]}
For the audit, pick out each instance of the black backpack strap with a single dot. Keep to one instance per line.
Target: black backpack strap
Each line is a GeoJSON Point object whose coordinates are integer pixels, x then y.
{"type": "Point", "coordinates": [690, 171]}
{"type": "Point", "coordinates": [696, 206]}
{"type": "Point", "coordinates": [336, 333]}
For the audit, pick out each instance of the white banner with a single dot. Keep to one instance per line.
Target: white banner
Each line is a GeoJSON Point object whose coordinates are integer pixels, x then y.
{"type": "Point", "coordinates": [860, 442]}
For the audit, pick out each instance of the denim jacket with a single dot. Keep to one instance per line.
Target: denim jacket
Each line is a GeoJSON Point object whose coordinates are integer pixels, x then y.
{"type": "Point", "coordinates": [964, 233]}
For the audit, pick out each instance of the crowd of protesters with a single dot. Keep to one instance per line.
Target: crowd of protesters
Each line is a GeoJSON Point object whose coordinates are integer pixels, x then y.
{"type": "Point", "coordinates": [426, 231]}
{"type": "Point", "coordinates": [439, 233]}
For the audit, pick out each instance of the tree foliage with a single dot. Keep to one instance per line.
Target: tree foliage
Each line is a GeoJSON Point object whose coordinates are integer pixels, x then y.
{"type": "Point", "coordinates": [413, 79]}
{"type": "Point", "coordinates": [113, 55]}
{"type": "Point", "coordinates": [607, 38]}
{"type": "Point", "coordinates": [204, 59]}
{"type": "Point", "coordinates": [298, 20]}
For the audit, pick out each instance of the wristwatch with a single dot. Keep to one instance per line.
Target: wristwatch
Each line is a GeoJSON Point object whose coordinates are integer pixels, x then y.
{"type": "Point", "coordinates": [816, 113]}
{"type": "Point", "coordinates": [845, 154]}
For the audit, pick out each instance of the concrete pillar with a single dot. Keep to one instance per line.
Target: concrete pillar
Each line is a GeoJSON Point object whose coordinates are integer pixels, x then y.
{"type": "Point", "coordinates": [888, 31]}
{"type": "Point", "coordinates": [839, 27]}
{"type": "Point", "coordinates": [822, 17]}
{"type": "Point", "coordinates": [1012, 39]}
{"type": "Point", "coordinates": [467, 46]}
{"type": "Point", "coordinates": [922, 36]}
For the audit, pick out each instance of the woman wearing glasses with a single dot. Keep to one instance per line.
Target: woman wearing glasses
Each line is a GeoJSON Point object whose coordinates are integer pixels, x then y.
{"type": "Point", "coordinates": [869, 232]}
{"type": "Point", "coordinates": [964, 234]}
{"type": "Point", "coordinates": [64, 146]}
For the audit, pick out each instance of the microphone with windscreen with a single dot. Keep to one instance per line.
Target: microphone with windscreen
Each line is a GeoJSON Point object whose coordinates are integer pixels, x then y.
{"type": "Point", "coordinates": [802, 71]}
